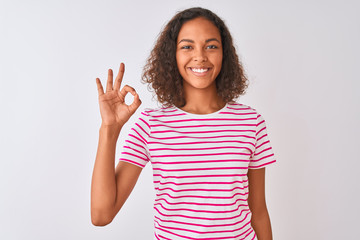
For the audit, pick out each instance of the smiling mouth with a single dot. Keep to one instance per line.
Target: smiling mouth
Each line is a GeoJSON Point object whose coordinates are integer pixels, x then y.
{"type": "Point", "coordinates": [199, 70]}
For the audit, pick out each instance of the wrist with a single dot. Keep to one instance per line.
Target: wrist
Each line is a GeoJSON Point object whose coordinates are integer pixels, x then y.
{"type": "Point", "coordinates": [110, 131]}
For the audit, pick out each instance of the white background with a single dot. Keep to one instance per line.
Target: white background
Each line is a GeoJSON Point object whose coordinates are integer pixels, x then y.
{"type": "Point", "coordinates": [302, 59]}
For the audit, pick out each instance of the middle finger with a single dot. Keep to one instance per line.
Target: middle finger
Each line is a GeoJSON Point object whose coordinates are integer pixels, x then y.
{"type": "Point", "coordinates": [119, 77]}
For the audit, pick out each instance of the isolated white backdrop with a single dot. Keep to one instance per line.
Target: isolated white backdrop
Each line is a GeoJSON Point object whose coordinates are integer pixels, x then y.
{"type": "Point", "coordinates": [302, 59]}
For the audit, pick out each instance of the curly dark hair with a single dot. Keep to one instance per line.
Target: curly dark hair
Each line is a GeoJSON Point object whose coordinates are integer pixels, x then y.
{"type": "Point", "coordinates": [161, 71]}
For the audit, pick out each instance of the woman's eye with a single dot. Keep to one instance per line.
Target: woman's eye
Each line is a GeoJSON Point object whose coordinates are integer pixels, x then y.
{"type": "Point", "coordinates": [211, 47]}
{"type": "Point", "coordinates": [185, 47]}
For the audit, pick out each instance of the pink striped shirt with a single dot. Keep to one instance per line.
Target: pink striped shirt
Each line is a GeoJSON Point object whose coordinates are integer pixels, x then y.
{"type": "Point", "coordinates": [200, 164]}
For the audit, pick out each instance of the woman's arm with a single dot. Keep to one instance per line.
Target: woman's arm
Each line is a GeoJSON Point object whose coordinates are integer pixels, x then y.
{"type": "Point", "coordinates": [111, 187]}
{"type": "Point", "coordinates": [260, 220]}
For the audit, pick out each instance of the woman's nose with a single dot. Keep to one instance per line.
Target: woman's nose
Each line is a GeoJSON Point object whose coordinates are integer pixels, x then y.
{"type": "Point", "coordinates": [200, 55]}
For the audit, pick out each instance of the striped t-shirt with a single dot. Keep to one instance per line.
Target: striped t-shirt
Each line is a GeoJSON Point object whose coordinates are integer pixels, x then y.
{"type": "Point", "coordinates": [200, 164]}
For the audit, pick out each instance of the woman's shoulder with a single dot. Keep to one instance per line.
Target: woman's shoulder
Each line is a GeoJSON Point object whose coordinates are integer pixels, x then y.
{"type": "Point", "coordinates": [241, 107]}
{"type": "Point", "coordinates": [158, 111]}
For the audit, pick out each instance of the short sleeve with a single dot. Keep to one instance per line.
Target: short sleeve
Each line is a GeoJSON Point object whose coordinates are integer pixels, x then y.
{"type": "Point", "coordinates": [135, 149]}
{"type": "Point", "coordinates": [263, 154]}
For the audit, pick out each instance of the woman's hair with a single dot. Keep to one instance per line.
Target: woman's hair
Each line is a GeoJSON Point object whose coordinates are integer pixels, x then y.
{"type": "Point", "coordinates": [161, 69]}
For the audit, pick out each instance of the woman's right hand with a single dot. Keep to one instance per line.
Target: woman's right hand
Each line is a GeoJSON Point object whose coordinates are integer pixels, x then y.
{"type": "Point", "coordinates": [113, 110]}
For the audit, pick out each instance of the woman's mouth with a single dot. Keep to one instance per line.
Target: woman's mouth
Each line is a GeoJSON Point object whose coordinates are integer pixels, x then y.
{"type": "Point", "coordinates": [199, 71]}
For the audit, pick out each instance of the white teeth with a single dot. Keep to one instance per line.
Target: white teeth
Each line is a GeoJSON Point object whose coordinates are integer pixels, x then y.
{"type": "Point", "coordinates": [199, 70]}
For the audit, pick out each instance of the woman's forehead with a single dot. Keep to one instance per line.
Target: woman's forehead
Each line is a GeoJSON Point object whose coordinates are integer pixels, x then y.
{"type": "Point", "coordinates": [198, 28]}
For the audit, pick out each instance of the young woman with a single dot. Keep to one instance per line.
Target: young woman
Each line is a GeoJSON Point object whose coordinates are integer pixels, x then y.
{"type": "Point", "coordinates": [208, 152]}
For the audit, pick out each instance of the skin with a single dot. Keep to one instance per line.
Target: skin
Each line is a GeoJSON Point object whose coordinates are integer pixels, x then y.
{"type": "Point", "coordinates": [260, 219]}
{"type": "Point", "coordinates": [110, 187]}
{"type": "Point", "coordinates": [198, 46]}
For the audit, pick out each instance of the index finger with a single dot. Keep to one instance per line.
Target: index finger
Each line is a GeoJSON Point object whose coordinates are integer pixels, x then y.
{"type": "Point", "coordinates": [119, 77]}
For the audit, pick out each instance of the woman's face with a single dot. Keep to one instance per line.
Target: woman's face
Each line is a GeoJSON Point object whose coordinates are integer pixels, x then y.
{"type": "Point", "coordinates": [199, 53]}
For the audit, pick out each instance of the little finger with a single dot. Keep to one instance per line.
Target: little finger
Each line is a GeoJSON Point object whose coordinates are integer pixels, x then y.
{"type": "Point", "coordinates": [99, 87]}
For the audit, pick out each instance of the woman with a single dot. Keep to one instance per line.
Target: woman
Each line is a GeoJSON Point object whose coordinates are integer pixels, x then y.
{"type": "Point", "coordinates": [208, 152]}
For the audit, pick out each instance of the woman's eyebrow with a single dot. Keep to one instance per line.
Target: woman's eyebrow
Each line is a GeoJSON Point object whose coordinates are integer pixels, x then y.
{"type": "Point", "coordinates": [212, 39]}
{"type": "Point", "coordinates": [186, 40]}
{"type": "Point", "coordinates": [192, 41]}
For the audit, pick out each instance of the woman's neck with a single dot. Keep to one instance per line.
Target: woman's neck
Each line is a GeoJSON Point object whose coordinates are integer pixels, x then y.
{"type": "Point", "coordinates": [202, 101]}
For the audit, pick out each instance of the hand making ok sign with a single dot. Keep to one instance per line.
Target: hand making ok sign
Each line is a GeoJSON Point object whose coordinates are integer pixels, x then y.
{"type": "Point", "coordinates": [113, 110]}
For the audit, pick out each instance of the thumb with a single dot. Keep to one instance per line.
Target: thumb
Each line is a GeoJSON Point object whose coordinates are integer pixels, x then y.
{"type": "Point", "coordinates": [135, 104]}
